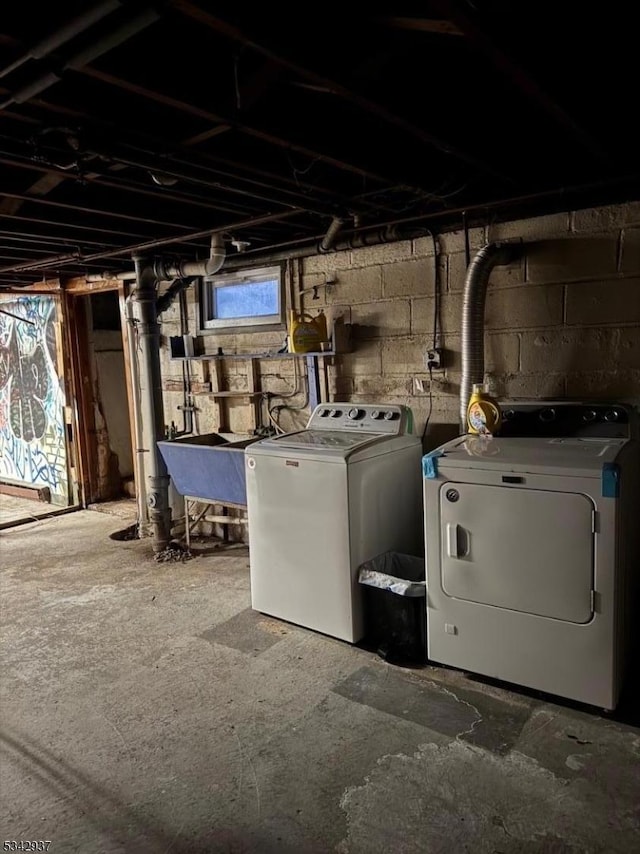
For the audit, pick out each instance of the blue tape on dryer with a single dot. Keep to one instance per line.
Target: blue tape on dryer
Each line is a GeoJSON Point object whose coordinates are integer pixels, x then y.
{"type": "Point", "coordinates": [610, 480]}
{"type": "Point", "coordinates": [430, 464]}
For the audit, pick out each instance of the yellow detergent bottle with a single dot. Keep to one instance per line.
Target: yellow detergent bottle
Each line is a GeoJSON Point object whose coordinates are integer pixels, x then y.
{"type": "Point", "coordinates": [306, 332]}
{"type": "Point", "coordinates": [483, 412]}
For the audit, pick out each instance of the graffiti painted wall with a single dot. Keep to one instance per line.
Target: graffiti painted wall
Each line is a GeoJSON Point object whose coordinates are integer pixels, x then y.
{"type": "Point", "coordinates": [32, 434]}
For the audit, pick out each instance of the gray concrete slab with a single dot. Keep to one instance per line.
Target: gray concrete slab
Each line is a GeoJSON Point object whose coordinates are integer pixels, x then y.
{"type": "Point", "coordinates": [146, 708]}
{"type": "Point", "coordinates": [14, 509]}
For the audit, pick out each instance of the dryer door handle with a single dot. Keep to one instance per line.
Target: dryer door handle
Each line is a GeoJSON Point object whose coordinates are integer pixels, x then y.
{"type": "Point", "coordinates": [452, 539]}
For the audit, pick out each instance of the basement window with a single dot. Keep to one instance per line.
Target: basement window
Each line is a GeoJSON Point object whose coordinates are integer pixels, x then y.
{"type": "Point", "coordinates": [251, 299]}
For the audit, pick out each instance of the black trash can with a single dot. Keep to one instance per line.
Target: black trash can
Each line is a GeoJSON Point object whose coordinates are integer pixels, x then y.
{"type": "Point", "coordinates": [395, 611]}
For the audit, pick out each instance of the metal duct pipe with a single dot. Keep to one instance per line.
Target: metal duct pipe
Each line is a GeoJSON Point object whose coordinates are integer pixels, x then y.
{"type": "Point", "coordinates": [143, 299]}
{"type": "Point", "coordinates": [332, 232]}
{"type": "Point", "coordinates": [371, 236]}
{"type": "Point", "coordinates": [475, 291]}
{"type": "Point", "coordinates": [120, 35]}
{"type": "Point", "coordinates": [190, 269]}
{"type": "Point", "coordinates": [64, 34]}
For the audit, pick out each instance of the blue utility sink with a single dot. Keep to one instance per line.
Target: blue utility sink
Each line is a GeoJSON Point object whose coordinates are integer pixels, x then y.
{"type": "Point", "coordinates": [207, 467]}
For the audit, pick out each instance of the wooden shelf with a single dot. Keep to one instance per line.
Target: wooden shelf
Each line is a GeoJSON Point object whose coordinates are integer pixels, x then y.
{"type": "Point", "coordinates": [214, 356]}
{"type": "Point", "coordinates": [233, 393]}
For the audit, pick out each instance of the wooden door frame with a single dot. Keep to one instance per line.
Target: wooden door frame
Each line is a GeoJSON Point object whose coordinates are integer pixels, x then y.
{"type": "Point", "coordinates": [84, 416]}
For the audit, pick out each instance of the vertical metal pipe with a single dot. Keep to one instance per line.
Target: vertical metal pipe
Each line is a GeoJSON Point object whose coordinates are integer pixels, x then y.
{"type": "Point", "coordinates": [143, 298]}
{"type": "Point", "coordinates": [141, 486]}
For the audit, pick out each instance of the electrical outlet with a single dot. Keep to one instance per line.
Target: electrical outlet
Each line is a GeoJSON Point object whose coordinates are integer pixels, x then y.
{"type": "Point", "coordinates": [434, 359]}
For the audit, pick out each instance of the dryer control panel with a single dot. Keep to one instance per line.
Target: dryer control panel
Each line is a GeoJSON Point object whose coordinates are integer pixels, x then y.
{"type": "Point", "coordinates": [390, 419]}
{"type": "Point", "coordinates": [564, 418]}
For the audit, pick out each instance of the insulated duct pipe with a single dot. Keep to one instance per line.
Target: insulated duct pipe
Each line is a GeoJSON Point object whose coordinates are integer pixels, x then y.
{"type": "Point", "coordinates": [332, 232]}
{"type": "Point", "coordinates": [475, 292]}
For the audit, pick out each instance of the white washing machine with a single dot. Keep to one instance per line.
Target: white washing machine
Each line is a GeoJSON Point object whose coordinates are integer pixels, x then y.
{"type": "Point", "coordinates": [324, 500]}
{"type": "Point", "coordinates": [532, 549]}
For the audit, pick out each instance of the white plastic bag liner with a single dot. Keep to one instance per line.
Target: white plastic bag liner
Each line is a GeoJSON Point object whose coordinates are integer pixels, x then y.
{"type": "Point", "coordinates": [385, 571]}
{"type": "Point", "coordinates": [388, 582]}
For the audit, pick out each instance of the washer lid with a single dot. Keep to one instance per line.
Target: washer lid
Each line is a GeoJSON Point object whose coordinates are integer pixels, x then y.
{"type": "Point", "coordinates": [323, 440]}
{"type": "Point", "coordinates": [571, 456]}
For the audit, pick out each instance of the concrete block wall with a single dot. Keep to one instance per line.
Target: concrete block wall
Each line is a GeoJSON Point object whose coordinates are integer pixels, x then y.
{"type": "Point", "coordinates": [563, 320]}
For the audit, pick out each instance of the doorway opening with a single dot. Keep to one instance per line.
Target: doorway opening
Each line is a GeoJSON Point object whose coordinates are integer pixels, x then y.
{"type": "Point", "coordinates": [101, 386]}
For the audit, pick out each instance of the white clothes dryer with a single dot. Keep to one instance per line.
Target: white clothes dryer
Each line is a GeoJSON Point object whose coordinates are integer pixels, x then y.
{"type": "Point", "coordinates": [532, 549]}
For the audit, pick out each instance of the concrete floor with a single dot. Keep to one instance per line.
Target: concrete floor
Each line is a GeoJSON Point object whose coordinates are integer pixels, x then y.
{"type": "Point", "coordinates": [146, 708]}
{"type": "Point", "coordinates": [14, 509]}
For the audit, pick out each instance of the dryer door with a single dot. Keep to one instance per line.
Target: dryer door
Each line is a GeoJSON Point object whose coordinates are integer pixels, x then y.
{"type": "Point", "coordinates": [522, 549]}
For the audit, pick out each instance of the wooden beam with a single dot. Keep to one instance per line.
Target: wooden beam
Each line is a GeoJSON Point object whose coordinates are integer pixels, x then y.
{"type": "Point", "coordinates": [216, 119]}
{"type": "Point", "coordinates": [234, 33]}
{"type": "Point", "coordinates": [518, 76]}
{"type": "Point", "coordinates": [424, 25]}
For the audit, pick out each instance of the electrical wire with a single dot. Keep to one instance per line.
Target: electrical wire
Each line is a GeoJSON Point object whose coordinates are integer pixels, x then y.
{"type": "Point", "coordinates": [437, 326]}
{"type": "Point", "coordinates": [437, 313]}
{"type": "Point", "coordinates": [428, 418]}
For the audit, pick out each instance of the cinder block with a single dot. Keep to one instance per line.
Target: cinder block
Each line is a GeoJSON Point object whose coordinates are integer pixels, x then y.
{"type": "Point", "coordinates": [238, 382]}
{"type": "Point", "coordinates": [207, 416]}
{"type": "Point", "coordinates": [613, 301]}
{"type": "Point", "coordinates": [277, 383]}
{"type": "Point", "coordinates": [405, 355]}
{"type": "Point", "coordinates": [609, 384]}
{"type": "Point", "coordinates": [385, 253]}
{"type": "Point", "coordinates": [360, 285]}
{"type": "Point", "coordinates": [311, 280]}
{"type": "Point", "coordinates": [341, 388]}
{"type": "Point", "coordinates": [365, 360]}
{"type": "Point", "coordinates": [285, 368]}
{"type": "Point", "coordinates": [522, 308]}
{"type": "Point", "coordinates": [375, 398]}
{"type": "Point", "coordinates": [240, 418]}
{"type": "Point", "coordinates": [260, 342]}
{"type": "Point", "coordinates": [501, 354]}
{"type": "Point", "coordinates": [580, 350]}
{"type": "Point", "coordinates": [326, 263]}
{"type": "Point", "coordinates": [381, 319]}
{"type": "Point", "coordinates": [457, 272]}
{"type": "Point", "coordinates": [630, 255]}
{"type": "Point", "coordinates": [453, 241]}
{"type": "Point", "coordinates": [408, 278]}
{"type": "Point", "coordinates": [607, 218]}
{"type": "Point", "coordinates": [423, 247]}
{"type": "Point", "coordinates": [572, 259]}
{"type": "Point", "coordinates": [508, 275]}
{"type": "Point", "coordinates": [536, 228]}
{"type": "Point", "coordinates": [504, 276]}
{"type": "Point", "coordinates": [530, 386]}
{"type": "Point", "coordinates": [450, 313]}
{"type": "Point", "coordinates": [385, 387]}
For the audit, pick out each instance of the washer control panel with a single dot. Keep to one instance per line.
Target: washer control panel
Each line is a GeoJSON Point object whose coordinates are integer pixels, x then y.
{"type": "Point", "coordinates": [389, 419]}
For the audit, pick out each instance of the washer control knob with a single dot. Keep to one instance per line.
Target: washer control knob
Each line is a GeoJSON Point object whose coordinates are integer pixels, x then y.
{"type": "Point", "coordinates": [611, 415]}
{"type": "Point", "coordinates": [324, 413]}
{"type": "Point", "coordinates": [354, 414]}
{"type": "Point", "coordinates": [376, 414]}
{"type": "Point", "coordinates": [508, 415]}
{"type": "Point", "coordinates": [389, 415]}
{"type": "Point", "coordinates": [547, 415]}
{"type": "Point", "coordinates": [335, 413]}
{"type": "Point", "coordinates": [589, 415]}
